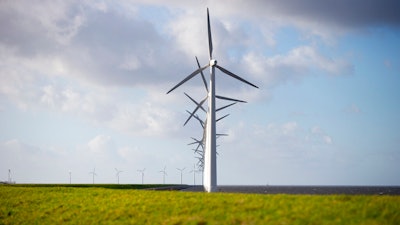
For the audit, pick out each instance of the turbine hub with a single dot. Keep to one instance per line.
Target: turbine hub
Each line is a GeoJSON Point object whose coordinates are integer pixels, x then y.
{"type": "Point", "coordinates": [213, 62]}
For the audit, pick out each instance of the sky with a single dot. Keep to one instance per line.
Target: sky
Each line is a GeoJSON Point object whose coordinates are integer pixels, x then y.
{"type": "Point", "coordinates": [83, 87]}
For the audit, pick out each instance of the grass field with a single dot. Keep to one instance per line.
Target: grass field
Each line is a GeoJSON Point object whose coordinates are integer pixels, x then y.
{"type": "Point", "coordinates": [105, 205]}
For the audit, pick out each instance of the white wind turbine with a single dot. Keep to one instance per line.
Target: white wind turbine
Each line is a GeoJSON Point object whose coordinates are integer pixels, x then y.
{"type": "Point", "coordinates": [117, 173]}
{"type": "Point", "coordinates": [164, 173]}
{"type": "Point", "coordinates": [210, 161]}
{"type": "Point", "coordinates": [93, 173]}
{"type": "Point", "coordinates": [9, 176]}
{"type": "Point", "coordinates": [194, 174]}
{"type": "Point", "coordinates": [142, 172]}
{"type": "Point", "coordinates": [181, 170]}
{"type": "Point", "coordinates": [194, 171]}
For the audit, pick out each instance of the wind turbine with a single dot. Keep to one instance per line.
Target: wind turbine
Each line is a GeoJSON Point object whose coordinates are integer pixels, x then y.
{"type": "Point", "coordinates": [93, 173]}
{"type": "Point", "coordinates": [70, 173]}
{"type": "Point", "coordinates": [194, 174]}
{"type": "Point", "coordinates": [142, 172]}
{"type": "Point", "coordinates": [9, 176]}
{"type": "Point", "coordinates": [181, 172]}
{"type": "Point", "coordinates": [210, 162]}
{"type": "Point", "coordinates": [118, 172]}
{"type": "Point", "coordinates": [164, 173]}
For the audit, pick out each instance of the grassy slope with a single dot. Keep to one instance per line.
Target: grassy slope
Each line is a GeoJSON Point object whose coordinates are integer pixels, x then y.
{"type": "Point", "coordinates": [55, 205]}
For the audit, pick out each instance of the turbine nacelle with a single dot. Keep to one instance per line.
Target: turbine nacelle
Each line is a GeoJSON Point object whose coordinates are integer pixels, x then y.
{"type": "Point", "coordinates": [213, 62]}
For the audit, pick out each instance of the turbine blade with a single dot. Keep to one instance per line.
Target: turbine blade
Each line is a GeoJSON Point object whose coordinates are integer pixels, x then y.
{"type": "Point", "coordinates": [195, 141]}
{"type": "Point", "coordinates": [198, 118]}
{"type": "Point", "coordinates": [224, 107]}
{"type": "Point", "coordinates": [229, 99]}
{"type": "Point", "coordinates": [200, 121]}
{"type": "Point", "coordinates": [195, 110]}
{"type": "Point", "coordinates": [198, 104]}
{"type": "Point", "coordinates": [197, 148]}
{"type": "Point", "coordinates": [222, 117]}
{"type": "Point", "coordinates": [189, 77]}
{"type": "Point", "coordinates": [202, 75]}
{"type": "Point", "coordinates": [200, 153]}
{"type": "Point", "coordinates": [199, 144]}
{"type": "Point", "coordinates": [234, 75]}
{"type": "Point", "coordinates": [200, 158]}
{"type": "Point", "coordinates": [192, 143]}
{"type": "Point", "coordinates": [210, 45]}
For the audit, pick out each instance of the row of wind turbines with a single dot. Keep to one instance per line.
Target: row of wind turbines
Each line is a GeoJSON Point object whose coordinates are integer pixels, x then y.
{"type": "Point", "coordinates": [142, 173]}
{"type": "Point", "coordinates": [206, 150]}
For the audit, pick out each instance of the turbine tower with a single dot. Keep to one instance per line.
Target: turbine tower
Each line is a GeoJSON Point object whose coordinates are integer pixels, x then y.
{"type": "Point", "coordinates": [164, 173]}
{"type": "Point", "coordinates": [194, 171]}
{"type": "Point", "coordinates": [181, 170]}
{"type": "Point", "coordinates": [210, 152]}
{"type": "Point", "coordinates": [93, 173]}
{"type": "Point", "coordinates": [142, 172]}
{"type": "Point", "coordinates": [117, 174]}
{"type": "Point", "coordinates": [9, 176]}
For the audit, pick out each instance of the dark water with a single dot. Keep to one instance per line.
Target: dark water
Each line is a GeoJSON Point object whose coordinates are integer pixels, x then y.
{"type": "Point", "coordinates": [317, 190]}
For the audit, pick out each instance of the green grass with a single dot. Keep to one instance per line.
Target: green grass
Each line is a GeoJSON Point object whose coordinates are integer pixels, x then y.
{"type": "Point", "coordinates": [99, 205]}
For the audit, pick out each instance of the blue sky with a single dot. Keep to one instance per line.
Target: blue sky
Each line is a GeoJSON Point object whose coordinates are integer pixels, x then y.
{"type": "Point", "coordinates": [83, 86]}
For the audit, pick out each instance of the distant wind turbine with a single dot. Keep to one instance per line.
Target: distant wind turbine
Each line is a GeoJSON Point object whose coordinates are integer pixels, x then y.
{"type": "Point", "coordinates": [9, 176]}
{"type": "Point", "coordinates": [93, 173]}
{"type": "Point", "coordinates": [142, 172]}
{"type": "Point", "coordinates": [164, 173]}
{"type": "Point", "coordinates": [210, 152]}
{"type": "Point", "coordinates": [118, 172]}
{"type": "Point", "coordinates": [194, 171]}
{"type": "Point", "coordinates": [70, 174]}
{"type": "Point", "coordinates": [181, 170]}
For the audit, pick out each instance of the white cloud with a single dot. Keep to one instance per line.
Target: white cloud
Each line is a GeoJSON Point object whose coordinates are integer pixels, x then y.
{"type": "Point", "coordinates": [282, 153]}
{"type": "Point", "coordinates": [353, 109]}
{"type": "Point", "coordinates": [95, 53]}
{"type": "Point", "coordinates": [101, 144]}
{"type": "Point", "coordinates": [131, 63]}
{"type": "Point", "coordinates": [189, 35]}
{"type": "Point", "coordinates": [289, 127]}
{"type": "Point", "coordinates": [327, 139]}
{"type": "Point", "coordinates": [288, 139]}
{"type": "Point", "coordinates": [41, 27]}
{"type": "Point", "coordinates": [318, 135]}
{"type": "Point", "coordinates": [299, 62]}
{"type": "Point", "coordinates": [105, 49]}
{"type": "Point", "coordinates": [325, 20]}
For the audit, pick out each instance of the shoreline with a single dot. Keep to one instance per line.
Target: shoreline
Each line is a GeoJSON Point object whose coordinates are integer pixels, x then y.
{"type": "Point", "coordinates": [303, 189]}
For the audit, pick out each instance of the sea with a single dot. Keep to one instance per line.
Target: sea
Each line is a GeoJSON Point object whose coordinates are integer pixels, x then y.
{"type": "Point", "coordinates": [305, 190]}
